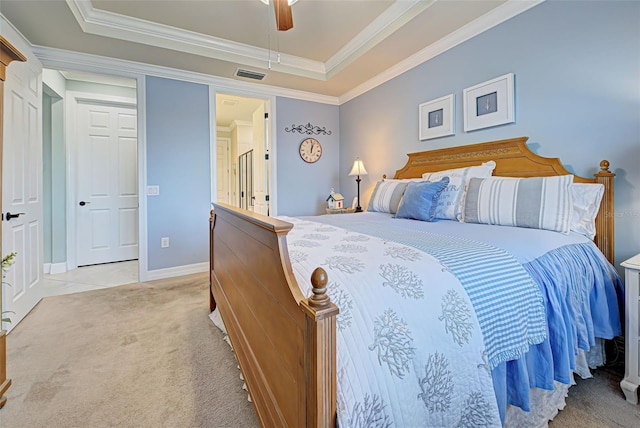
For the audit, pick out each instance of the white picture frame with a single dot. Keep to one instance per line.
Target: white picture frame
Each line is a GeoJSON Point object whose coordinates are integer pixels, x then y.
{"type": "Point", "coordinates": [436, 118]}
{"type": "Point", "coordinates": [490, 103]}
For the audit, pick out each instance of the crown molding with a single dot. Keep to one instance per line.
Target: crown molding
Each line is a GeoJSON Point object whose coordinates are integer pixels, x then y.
{"type": "Point", "coordinates": [58, 58]}
{"type": "Point", "coordinates": [64, 59]}
{"type": "Point", "coordinates": [114, 25]}
{"type": "Point", "coordinates": [393, 18]}
{"type": "Point", "coordinates": [237, 123]}
{"type": "Point", "coordinates": [479, 25]}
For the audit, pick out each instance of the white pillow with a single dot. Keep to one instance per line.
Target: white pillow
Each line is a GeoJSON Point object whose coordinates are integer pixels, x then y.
{"type": "Point", "coordinates": [586, 203]}
{"type": "Point", "coordinates": [537, 202]}
{"type": "Point", "coordinates": [450, 203]}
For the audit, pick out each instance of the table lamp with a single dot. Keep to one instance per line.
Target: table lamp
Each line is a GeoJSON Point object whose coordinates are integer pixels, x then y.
{"type": "Point", "coordinates": [358, 169]}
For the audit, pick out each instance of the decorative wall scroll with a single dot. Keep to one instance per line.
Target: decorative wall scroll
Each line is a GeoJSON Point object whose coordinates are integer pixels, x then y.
{"type": "Point", "coordinates": [489, 103]}
{"type": "Point", "coordinates": [436, 118]}
{"type": "Point", "coordinates": [308, 129]}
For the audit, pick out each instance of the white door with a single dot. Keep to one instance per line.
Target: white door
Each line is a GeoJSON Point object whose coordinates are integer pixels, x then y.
{"type": "Point", "coordinates": [260, 188]}
{"type": "Point", "coordinates": [22, 230]}
{"type": "Point", "coordinates": [107, 183]}
{"type": "Point", "coordinates": [222, 169]}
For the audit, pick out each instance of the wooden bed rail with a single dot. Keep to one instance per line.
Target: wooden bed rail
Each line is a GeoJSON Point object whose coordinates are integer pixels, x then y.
{"type": "Point", "coordinates": [285, 343]}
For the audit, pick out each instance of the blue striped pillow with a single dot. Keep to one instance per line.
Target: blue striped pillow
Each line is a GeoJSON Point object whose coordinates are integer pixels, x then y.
{"type": "Point", "coordinates": [537, 202]}
{"type": "Point", "coordinates": [386, 196]}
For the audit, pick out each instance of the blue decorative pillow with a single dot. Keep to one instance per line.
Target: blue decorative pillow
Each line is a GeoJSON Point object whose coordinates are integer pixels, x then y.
{"type": "Point", "coordinates": [420, 199]}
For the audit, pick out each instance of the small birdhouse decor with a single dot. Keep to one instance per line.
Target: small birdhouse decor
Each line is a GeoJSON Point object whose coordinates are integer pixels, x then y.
{"type": "Point", "coordinates": [335, 201]}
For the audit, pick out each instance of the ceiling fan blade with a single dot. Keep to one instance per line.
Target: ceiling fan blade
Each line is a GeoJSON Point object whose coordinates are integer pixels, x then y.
{"type": "Point", "coordinates": [284, 19]}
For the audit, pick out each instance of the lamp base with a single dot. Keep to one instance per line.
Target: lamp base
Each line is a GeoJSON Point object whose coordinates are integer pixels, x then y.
{"type": "Point", "coordinates": [358, 210]}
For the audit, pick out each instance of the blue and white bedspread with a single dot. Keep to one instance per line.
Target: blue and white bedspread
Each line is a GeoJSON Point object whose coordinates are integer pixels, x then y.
{"type": "Point", "coordinates": [422, 337]}
{"type": "Point", "coordinates": [421, 359]}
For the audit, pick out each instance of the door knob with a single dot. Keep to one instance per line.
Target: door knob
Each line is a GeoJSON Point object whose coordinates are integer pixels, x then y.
{"type": "Point", "coordinates": [9, 216]}
{"type": "Point", "coordinates": [83, 203]}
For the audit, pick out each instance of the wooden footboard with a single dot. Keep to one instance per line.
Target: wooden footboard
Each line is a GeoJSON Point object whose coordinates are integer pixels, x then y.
{"type": "Point", "coordinates": [284, 343]}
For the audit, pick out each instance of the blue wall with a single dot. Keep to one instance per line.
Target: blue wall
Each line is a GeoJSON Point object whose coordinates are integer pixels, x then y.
{"type": "Point", "coordinates": [302, 187]}
{"type": "Point", "coordinates": [177, 121]}
{"type": "Point", "coordinates": [577, 96]}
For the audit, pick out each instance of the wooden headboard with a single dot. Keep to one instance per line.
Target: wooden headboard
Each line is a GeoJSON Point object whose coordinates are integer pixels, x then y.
{"type": "Point", "coordinates": [514, 159]}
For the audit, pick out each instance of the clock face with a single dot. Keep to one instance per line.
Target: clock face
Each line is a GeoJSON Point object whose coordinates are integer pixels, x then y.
{"type": "Point", "coordinates": [310, 150]}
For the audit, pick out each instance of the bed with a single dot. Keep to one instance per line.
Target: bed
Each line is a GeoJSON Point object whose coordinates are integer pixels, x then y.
{"type": "Point", "coordinates": [283, 327]}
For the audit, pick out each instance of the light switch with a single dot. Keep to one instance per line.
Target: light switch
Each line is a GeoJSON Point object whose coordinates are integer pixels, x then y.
{"type": "Point", "coordinates": [153, 190]}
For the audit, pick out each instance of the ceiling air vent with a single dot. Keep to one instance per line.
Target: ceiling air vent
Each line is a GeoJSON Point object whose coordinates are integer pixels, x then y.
{"type": "Point", "coordinates": [248, 74]}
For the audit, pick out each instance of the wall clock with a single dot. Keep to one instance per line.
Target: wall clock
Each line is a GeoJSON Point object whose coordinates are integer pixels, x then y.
{"type": "Point", "coordinates": [310, 150]}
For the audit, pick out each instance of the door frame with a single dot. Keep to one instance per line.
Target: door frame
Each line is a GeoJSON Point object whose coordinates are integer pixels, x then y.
{"type": "Point", "coordinates": [73, 98]}
{"type": "Point", "coordinates": [271, 134]}
{"type": "Point", "coordinates": [227, 142]}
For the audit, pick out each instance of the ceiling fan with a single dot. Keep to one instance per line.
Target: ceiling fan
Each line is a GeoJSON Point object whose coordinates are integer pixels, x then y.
{"type": "Point", "coordinates": [282, 8]}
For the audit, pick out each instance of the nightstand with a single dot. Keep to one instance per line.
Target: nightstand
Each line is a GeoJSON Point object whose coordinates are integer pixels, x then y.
{"type": "Point", "coordinates": [340, 210]}
{"type": "Point", "coordinates": [631, 379]}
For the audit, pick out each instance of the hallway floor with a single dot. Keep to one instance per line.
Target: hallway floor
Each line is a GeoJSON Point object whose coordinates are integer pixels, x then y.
{"type": "Point", "coordinates": [91, 278]}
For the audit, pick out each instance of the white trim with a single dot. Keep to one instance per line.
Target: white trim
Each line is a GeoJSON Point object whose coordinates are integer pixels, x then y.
{"type": "Point", "coordinates": [143, 250]}
{"type": "Point", "coordinates": [236, 123]}
{"type": "Point", "coordinates": [387, 23]}
{"type": "Point", "coordinates": [213, 145]}
{"type": "Point", "coordinates": [227, 142]}
{"type": "Point", "coordinates": [114, 25]}
{"type": "Point", "coordinates": [64, 59]}
{"type": "Point", "coordinates": [177, 271]}
{"type": "Point", "coordinates": [273, 156]}
{"type": "Point", "coordinates": [479, 25]}
{"type": "Point", "coordinates": [55, 268]}
{"type": "Point", "coordinates": [46, 268]}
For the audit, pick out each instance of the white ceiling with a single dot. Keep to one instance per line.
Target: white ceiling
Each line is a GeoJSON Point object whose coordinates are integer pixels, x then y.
{"type": "Point", "coordinates": [337, 48]}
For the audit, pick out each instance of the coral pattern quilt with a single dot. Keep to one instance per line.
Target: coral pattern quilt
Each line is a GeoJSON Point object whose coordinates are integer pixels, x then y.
{"type": "Point", "coordinates": [410, 351]}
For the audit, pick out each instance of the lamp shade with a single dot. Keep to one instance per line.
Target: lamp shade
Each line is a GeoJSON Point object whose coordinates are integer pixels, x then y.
{"type": "Point", "coordinates": [358, 168]}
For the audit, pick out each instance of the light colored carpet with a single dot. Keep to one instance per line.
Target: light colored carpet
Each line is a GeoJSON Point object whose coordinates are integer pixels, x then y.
{"type": "Point", "coordinates": [137, 355]}
{"type": "Point", "coordinates": [147, 355]}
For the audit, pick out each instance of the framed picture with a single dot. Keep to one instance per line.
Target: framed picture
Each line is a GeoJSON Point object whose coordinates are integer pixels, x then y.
{"type": "Point", "coordinates": [436, 118]}
{"type": "Point", "coordinates": [489, 103]}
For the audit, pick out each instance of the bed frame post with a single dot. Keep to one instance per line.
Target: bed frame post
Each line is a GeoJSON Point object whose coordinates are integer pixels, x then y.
{"type": "Point", "coordinates": [320, 354]}
{"type": "Point", "coordinates": [605, 219]}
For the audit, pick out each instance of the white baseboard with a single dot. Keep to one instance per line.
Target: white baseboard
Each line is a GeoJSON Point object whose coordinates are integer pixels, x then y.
{"type": "Point", "coordinates": [58, 268]}
{"type": "Point", "coordinates": [54, 268]}
{"type": "Point", "coordinates": [177, 271]}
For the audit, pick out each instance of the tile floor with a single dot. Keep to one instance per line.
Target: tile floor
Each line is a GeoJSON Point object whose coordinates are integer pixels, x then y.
{"type": "Point", "coordinates": [91, 278]}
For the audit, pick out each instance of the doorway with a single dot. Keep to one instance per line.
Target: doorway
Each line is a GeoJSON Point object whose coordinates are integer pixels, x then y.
{"type": "Point", "coordinates": [98, 197]}
{"type": "Point", "coordinates": [242, 125]}
{"type": "Point", "coordinates": [245, 177]}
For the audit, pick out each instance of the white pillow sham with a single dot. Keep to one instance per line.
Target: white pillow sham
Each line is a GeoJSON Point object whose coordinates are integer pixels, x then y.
{"type": "Point", "coordinates": [450, 203]}
{"type": "Point", "coordinates": [586, 203]}
{"type": "Point", "coordinates": [537, 202]}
